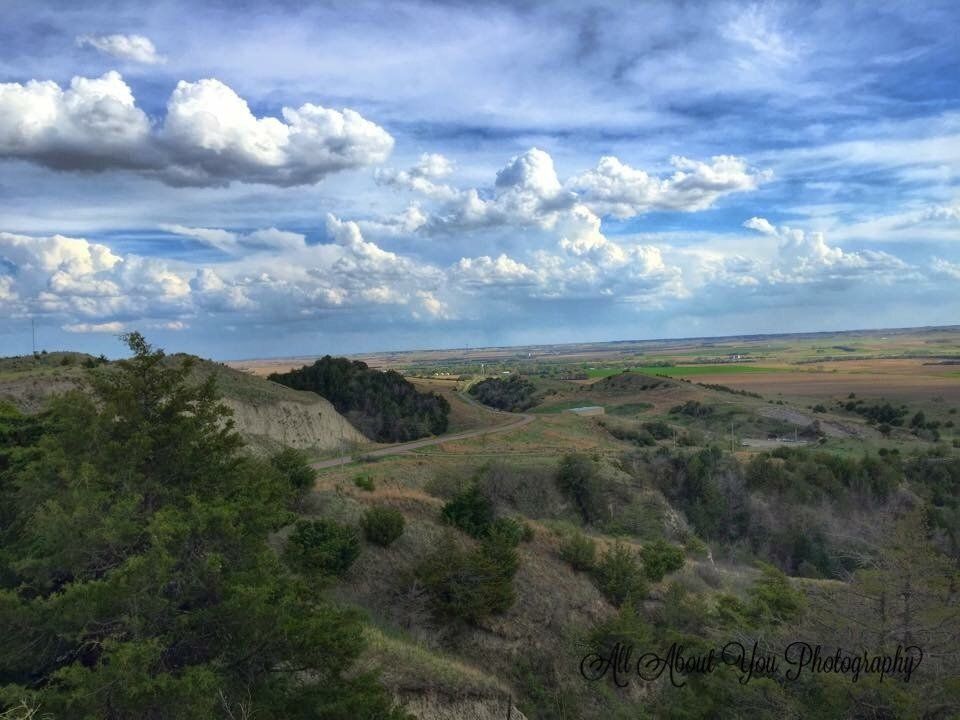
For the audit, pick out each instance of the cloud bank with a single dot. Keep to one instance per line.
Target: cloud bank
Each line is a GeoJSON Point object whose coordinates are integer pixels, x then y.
{"type": "Point", "coordinates": [208, 137]}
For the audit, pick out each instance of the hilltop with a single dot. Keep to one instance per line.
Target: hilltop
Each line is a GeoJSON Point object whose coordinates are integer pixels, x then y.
{"type": "Point", "coordinates": [269, 416]}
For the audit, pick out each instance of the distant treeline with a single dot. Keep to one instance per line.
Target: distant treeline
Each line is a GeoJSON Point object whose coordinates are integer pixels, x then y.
{"type": "Point", "coordinates": [384, 406]}
{"type": "Point", "coordinates": [514, 394]}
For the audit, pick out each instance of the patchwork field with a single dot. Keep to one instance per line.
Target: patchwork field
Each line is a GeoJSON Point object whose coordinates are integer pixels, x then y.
{"type": "Point", "coordinates": [901, 380]}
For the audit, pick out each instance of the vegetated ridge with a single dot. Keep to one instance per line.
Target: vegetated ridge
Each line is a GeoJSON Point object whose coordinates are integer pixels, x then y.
{"type": "Point", "coordinates": [384, 406]}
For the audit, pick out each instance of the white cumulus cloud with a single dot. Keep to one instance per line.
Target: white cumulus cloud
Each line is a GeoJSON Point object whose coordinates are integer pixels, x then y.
{"type": "Point", "coordinates": [133, 48]}
{"type": "Point", "coordinates": [209, 136]}
{"type": "Point", "coordinates": [617, 189]}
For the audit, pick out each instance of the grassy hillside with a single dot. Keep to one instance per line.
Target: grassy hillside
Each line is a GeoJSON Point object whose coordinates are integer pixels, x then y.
{"type": "Point", "coordinates": [694, 511]}
{"type": "Point", "coordinates": [663, 472]}
{"type": "Point", "coordinates": [268, 415]}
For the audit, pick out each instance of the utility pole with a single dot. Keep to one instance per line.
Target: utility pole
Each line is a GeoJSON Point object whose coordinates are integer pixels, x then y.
{"type": "Point", "coordinates": [33, 333]}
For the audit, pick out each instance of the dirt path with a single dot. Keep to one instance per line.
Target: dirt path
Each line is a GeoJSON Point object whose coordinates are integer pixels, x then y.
{"type": "Point", "coordinates": [522, 419]}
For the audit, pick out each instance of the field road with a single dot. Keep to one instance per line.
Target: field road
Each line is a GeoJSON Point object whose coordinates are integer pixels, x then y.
{"type": "Point", "coordinates": [522, 419]}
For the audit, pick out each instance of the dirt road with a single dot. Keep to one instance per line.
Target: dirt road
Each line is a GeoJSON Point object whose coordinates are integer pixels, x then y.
{"type": "Point", "coordinates": [522, 419]}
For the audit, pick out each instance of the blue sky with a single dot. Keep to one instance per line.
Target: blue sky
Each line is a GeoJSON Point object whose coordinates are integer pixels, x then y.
{"type": "Point", "coordinates": [260, 179]}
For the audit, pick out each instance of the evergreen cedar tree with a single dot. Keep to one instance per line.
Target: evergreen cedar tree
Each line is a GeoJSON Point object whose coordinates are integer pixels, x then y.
{"type": "Point", "coordinates": [135, 577]}
{"type": "Point", "coordinates": [384, 406]}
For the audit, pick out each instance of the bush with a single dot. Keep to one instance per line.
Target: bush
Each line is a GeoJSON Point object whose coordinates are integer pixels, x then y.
{"type": "Point", "coordinates": [619, 577]}
{"type": "Point", "coordinates": [527, 532]}
{"type": "Point", "coordinates": [580, 551]}
{"type": "Point", "coordinates": [659, 558]}
{"type": "Point", "coordinates": [469, 586]}
{"type": "Point", "coordinates": [696, 548]}
{"type": "Point", "coordinates": [471, 511]}
{"type": "Point", "coordinates": [658, 429]}
{"type": "Point", "coordinates": [693, 408]}
{"type": "Point", "coordinates": [509, 530]}
{"type": "Point", "coordinates": [773, 599]}
{"type": "Point", "coordinates": [382, 525]}
{"type": "Point", "coordinates": [627, 627]}
{"type": "Point", "coordinates": [322, 547]}
{"type": "Point", "coordinates": [364, 482]}
{"type": "Point", "coordinates": [294, 465]}
{"type": "Point", "coordinates": [447, 484]}
{"type": "Point", "coordinates": [578, 480]}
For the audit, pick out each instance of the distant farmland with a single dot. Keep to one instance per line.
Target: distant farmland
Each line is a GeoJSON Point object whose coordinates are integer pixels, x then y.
{"type": "Point", "coordinates": [682, 371]}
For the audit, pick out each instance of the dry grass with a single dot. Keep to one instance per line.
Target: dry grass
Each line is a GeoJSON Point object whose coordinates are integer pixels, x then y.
{"type": "Point", "coordinates": [406, 666]}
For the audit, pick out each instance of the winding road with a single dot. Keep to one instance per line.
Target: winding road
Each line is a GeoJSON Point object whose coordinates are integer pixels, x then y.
{"type": "Point", "coordinates": [522, 419]}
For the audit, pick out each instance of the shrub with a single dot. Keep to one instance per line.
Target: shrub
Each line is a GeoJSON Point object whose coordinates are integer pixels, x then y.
{"type": "Point", "coordinates": [508, 530]}
{"type": "Point", "coordinates": [322, 547]}
{"type": "Point", "coordinates": [469, 586]}
{"type": "Point", "coordinates": [658, 429]}
{"type": "Point", "coordinates": [696, 548]}
{"type": "Point", "coordinates": [294, 465]}
{"type": "Point", "coordinates": [578, 480]}
{"type": "Point", "coordinates": [529, 490]}
{"type": "Point", "coordinates": [693, 408]}
{"type": "Point", "coordinates": [447, 484]}
{"type": "Point", "coordinates": [659, 558]}
{"type": "Point", "coordinates": [382, 525]}
{"type": "Point", "coordinates": [619, 577]}
{"type": "Point", "coordinates": [772, 598]}
{"type": "Point", "coordinates": [627, 627]}
{"type": "Point", "coordinates": [580, 551]}
{"type": "Point", "coordinates": [691, 438]}
{"type": "Point", "coordinates": [628, 431]}
{"type": "Point", "coordinates": [527, 533]}
{"type": "Point", "coordinates": [471, 511]}
{"type": "Point", "coordinates": [364, 482]}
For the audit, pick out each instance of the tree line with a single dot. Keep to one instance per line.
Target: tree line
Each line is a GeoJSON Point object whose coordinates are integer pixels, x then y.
{"type": "Point", "coordinates": [384, 406]}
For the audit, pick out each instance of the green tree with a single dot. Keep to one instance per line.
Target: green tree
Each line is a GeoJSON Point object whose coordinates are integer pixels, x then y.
{"type": "Point", "coordinates": [470, 585]}
{"type": "Point", "coordinates": [137, 580]}
{"type": "Point", "coordinates": [322, 547]}
{"type": "Point", "coordinates": [382, 525]}
{"type": "Point", "coordinates": [619, 577]}
{"type": "Point", "coordinates": [773, 599]}
{"type": "Point", "coordinates": [294, 465]}
{"type": "Point", "coordinates": [579, 550]}
{"type": "Point", "coordinates": [659, 558]}
{"type": "Point", "coordinates": [471, 511]}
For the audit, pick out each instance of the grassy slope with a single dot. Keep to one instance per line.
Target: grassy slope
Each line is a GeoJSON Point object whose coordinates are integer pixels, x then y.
{"type": "Point", "coordinates": [406, 482]}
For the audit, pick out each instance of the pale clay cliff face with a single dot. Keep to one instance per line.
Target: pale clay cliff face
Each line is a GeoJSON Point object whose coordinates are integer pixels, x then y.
{"type": "Point", "coordinates": [315, 425]}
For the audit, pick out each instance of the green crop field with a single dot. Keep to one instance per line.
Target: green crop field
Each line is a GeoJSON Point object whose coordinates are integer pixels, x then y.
{"type": "Point", "coordinates": [675, 371]}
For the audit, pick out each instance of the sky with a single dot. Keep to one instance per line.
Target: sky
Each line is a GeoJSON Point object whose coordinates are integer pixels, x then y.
{"type": "Point", "coordinates": [260, 179]}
